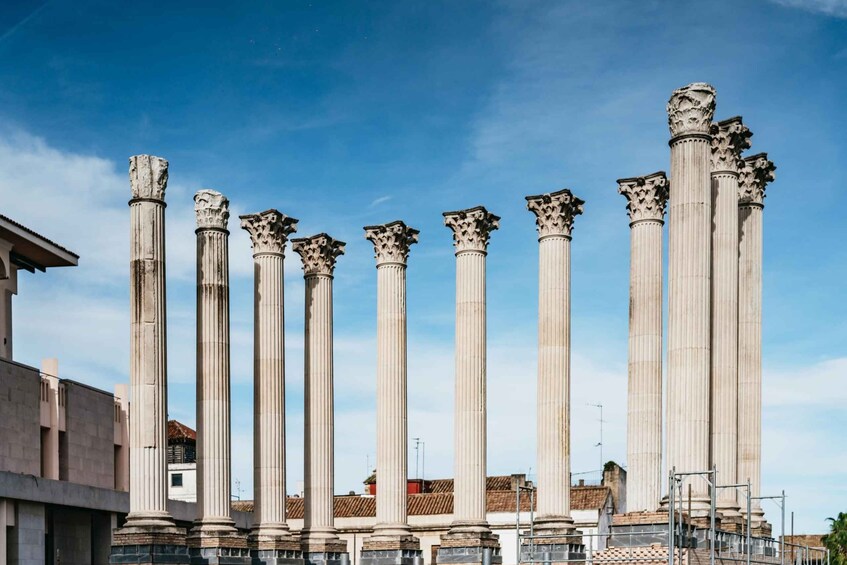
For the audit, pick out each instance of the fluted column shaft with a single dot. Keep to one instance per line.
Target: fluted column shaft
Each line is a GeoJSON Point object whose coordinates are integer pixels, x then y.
{"type": "Point", "coordinates": [750, 347]}
{"type": "Point", "coordinates": [554, 215]}
{"type": "Point", "coordinates": [554, 337]}
{"type": "Point", "coordinates": [644, 417]}
{"type": "Point", "coordinates": [269, 393]}
{"type": "Point", "coordinates": [269, 232]}
{"type": "Point", "coordinates": [319, 416]}
{"type": "Point", "coordinates": [725, 334]}
{"type": "Point", "coordinates": [391, 453]}
{"type": "Point", "coordinates": [213, 365]}
{"type": "Point", "coordinates": [470, 409]}
{"type": "Point", "coordinates": [757, 172]}
{"type": "Point", "coordinates": [319, 254]}
{"type": "Point", "coordinates": [689, 288]}
{"type": "Point", "coordinates": [148, 345]}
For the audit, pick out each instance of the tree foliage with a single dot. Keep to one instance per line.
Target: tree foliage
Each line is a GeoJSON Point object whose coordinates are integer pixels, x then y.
{"type": "Point", "coordinates": [836, 540]}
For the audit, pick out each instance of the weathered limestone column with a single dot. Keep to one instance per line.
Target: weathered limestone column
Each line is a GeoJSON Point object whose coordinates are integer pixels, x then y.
{"type": "Point", "coordinates": [149, 528]}
{"type": "Point", "coordinates": [647, 198]}
{"type": "Point", "coordinates": [271, 539]}
{"type": "Point", "coordinates": [555, 213]}
{"type": "Point", "coordinates": [392, 536]}
{"type": "Point", "coordinates": [319, 539]}
{"type": "Point", "coordinates": [729, 138]}
{"type": "Point", "coordinates": [757, 173]}
{"type": "Point", "coordinates": [469, 536]}
{"type": "Point", "coordinates": [690, 112]}
{"type": "Point", "coordinates": [214, 533]}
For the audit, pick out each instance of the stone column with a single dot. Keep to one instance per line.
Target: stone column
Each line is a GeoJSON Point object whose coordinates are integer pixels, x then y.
{"type": "Point", "coordinates": [392, 535]}
{"type": "Point", "coordinates": [270, 538]}
{"type": "Point", "coordinates": [149, 530]}
{"type": "Point", "coordinates": [690, 112]}
{"type": "Point", "coordinates": [214, 532]}
{"type": "Point", "coordinates": [729, 138]}
{"type": "Point", "coordinates": [320, 541]}
{"type": "Point", "coordinates": [647, 198]}
{"type": "Point", "coordinates": [555, 213]}
{"type": "Point", "coordinates": [758, 171]}
{"type": "Point", "coordinates": [469, 536]}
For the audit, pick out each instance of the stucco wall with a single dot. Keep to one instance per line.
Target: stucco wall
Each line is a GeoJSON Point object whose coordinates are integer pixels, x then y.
{"type": "Point", "coordinates": [20, 411]}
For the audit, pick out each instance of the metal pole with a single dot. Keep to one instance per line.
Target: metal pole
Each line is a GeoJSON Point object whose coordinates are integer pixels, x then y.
{"type": "Point", "coordinates": [532, 523]}
{"type": "Point", "coordinates": [712, 481]}
{"type": "Point", "coordinates": [417, 441]}
{"type": "Point", "coordinates": [749, 510]}
{"type": "Point", "coordinates": [782, 531]}
{"type": "Point", "coordinates": [518, 523]}
{"type": "Point", "coordinates": [423, 461]}
{"type": "Point", "coordinates": [671, 503]}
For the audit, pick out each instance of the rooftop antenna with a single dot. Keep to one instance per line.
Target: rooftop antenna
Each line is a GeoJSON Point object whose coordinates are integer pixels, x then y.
{"type": "Point", "coordinates": [420, 458]}
{"type": "Point", "coordinates": [237, 489]}
{"type": "Point", "coordinates": [600, 445]}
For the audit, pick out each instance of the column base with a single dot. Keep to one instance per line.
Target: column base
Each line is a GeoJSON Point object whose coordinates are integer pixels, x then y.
{"type": "Point", "coordinates": [731, 520]}
{"type": "Point", "coordinates": [149, 546]}
{"type": "Point", "coordinates": [553, 551]}
{"type": "Point", "coordinates": [325, 551]}
{"type": "Point", "coordinates": [209, 546]}
{"type": "Point", "coordinates": [641, 529]}
{"type": "Point", "coordinates": [381, 550]}
{"type": "Point", "coordinates": [469, 547]}
{"type": "Point", "coordinates": [274, 549]}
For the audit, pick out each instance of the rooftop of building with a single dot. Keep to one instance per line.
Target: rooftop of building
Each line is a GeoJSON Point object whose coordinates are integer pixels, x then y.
{"type": "Point", "coordinates": [177, 431]}
{"type": "Point", "coordinates": [32, 250]}
{"type": "Point", "coordinates": [590, 497]}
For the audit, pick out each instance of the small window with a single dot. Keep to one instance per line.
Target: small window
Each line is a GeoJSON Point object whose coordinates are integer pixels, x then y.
{"type": "Point", "coordinates": [176, 480]}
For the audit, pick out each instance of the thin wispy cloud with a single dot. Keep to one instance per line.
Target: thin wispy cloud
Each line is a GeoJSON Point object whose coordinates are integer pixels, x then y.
{"type": "Point", "coordinates": [834, 8]}
{"type": "Point", "coordinates": [15, 28]}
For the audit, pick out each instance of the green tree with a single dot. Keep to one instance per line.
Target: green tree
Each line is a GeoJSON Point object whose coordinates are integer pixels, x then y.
{"type": "Point", "coordinates": [836, 540]}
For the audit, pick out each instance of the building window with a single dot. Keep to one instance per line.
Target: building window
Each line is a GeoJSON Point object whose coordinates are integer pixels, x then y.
{"type": "Point", "coordinates": [176, 480]}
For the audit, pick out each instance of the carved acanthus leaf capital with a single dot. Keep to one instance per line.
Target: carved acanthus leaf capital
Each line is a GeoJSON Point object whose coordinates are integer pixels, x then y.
{"type": "Point", "coordinates": [758, 171]}
{"type": "Point", "coordinates": [148, 177]}
{"type": "Point", "coordinates": [729, 138]}
{"type": "Point", "coordinates": [647, 197]}
{"type": "Point", "coordinates": [391, 241]}
{"type": "Point", "coordinates": [691, 108]}
{"type": "Point", "coordinates": [212, 209]}
{"type": "Point", "coordinates": [318, 253]}
{"type": "Point", "coordinates": [555, 212]}
{"type": "Point", "coordinates": [471, 228]}
{"type": "Point", "coordinates": [269, 230]}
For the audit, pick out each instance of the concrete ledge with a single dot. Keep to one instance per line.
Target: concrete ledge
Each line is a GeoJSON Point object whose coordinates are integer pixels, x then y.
{"type": "Point", "coordinates": [326, 558]}
{"type": "Point", "coordinates": [276, 557]}
{"type": "Point", "coordinates": [469, 555]}
{"type": "Point", "coordinates": [149, 554]}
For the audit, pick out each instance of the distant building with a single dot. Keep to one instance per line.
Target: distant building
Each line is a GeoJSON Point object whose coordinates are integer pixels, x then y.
{"type": "Point", "coordinates": [430, 505]}
{"type": "Point", "coordinates": [182, 462]}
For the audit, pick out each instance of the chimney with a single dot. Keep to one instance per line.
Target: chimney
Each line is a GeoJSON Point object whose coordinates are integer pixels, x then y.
{"type": "Point", "coordinates": [614, 477]}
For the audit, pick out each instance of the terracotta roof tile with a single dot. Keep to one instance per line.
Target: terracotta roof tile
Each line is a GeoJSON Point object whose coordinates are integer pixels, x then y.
{"type": "Point", "coordinates": [178, 430]}
{"type": "Point", "coordinates": [437, 503]}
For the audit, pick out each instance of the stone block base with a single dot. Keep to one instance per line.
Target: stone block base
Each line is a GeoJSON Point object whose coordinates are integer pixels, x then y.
{"type": "Point", "coordinates": [640, 529]}
{"type": "Point", "coordinates": [218, 548]}
{"type": "Point", "coordinates": [276, 557]}
{"type": "Point", "coordinates": [552, 553]}
{"type": "Point", "coordinates": [391, 557]}
{"type": "Point", "coordinates": [326, 557]}
{"type": "Point", "coordinates": [470, 548]}
{"type": "Point", "coordinates": [732, 523]}
{"type": "Point", "coordinates": [142, 546]}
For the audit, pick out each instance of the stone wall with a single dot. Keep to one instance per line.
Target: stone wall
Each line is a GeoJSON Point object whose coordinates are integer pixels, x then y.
{"type": "Point", "coordinates": [20, 412]}
{"type": "Point", "coordinates": [25, 542]}
{"type": "Point", "coordinates": [89, 436]}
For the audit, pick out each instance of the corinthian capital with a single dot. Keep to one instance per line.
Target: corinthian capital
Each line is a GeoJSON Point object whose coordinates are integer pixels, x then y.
{"type": "Point", "coordinates": [318, 253]}
{"type": "Point", "coordinates": [646, 197]}
{"type": "Point", "coordinates": [391, 241]}
{"type": "Point", "coordinates": [758, 171]}
{"type": "Point", "coordinates": [691, 108]}
{"type": "Point", "coordinates": [269, 230]}
{"type": "Point", "coordinates": [471, 228]}
{"type": "Point", "coordinates": [729, 138]}
{"type": "Point", "coordinates": [554, 212]}
{"type": "Point", "coordinates": [212, 209]}
{"type": "Point", "coordinates": [148, 177]}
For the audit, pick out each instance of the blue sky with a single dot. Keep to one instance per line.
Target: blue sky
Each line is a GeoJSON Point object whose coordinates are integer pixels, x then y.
{"type": "Point", "coordinates": [347, 115]}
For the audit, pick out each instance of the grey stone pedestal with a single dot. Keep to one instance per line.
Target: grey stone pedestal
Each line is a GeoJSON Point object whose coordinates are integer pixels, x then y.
{"type": "Point", "coordinates": [391, 557]}
{"type": "Point", "coordinates": [550, 553]}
